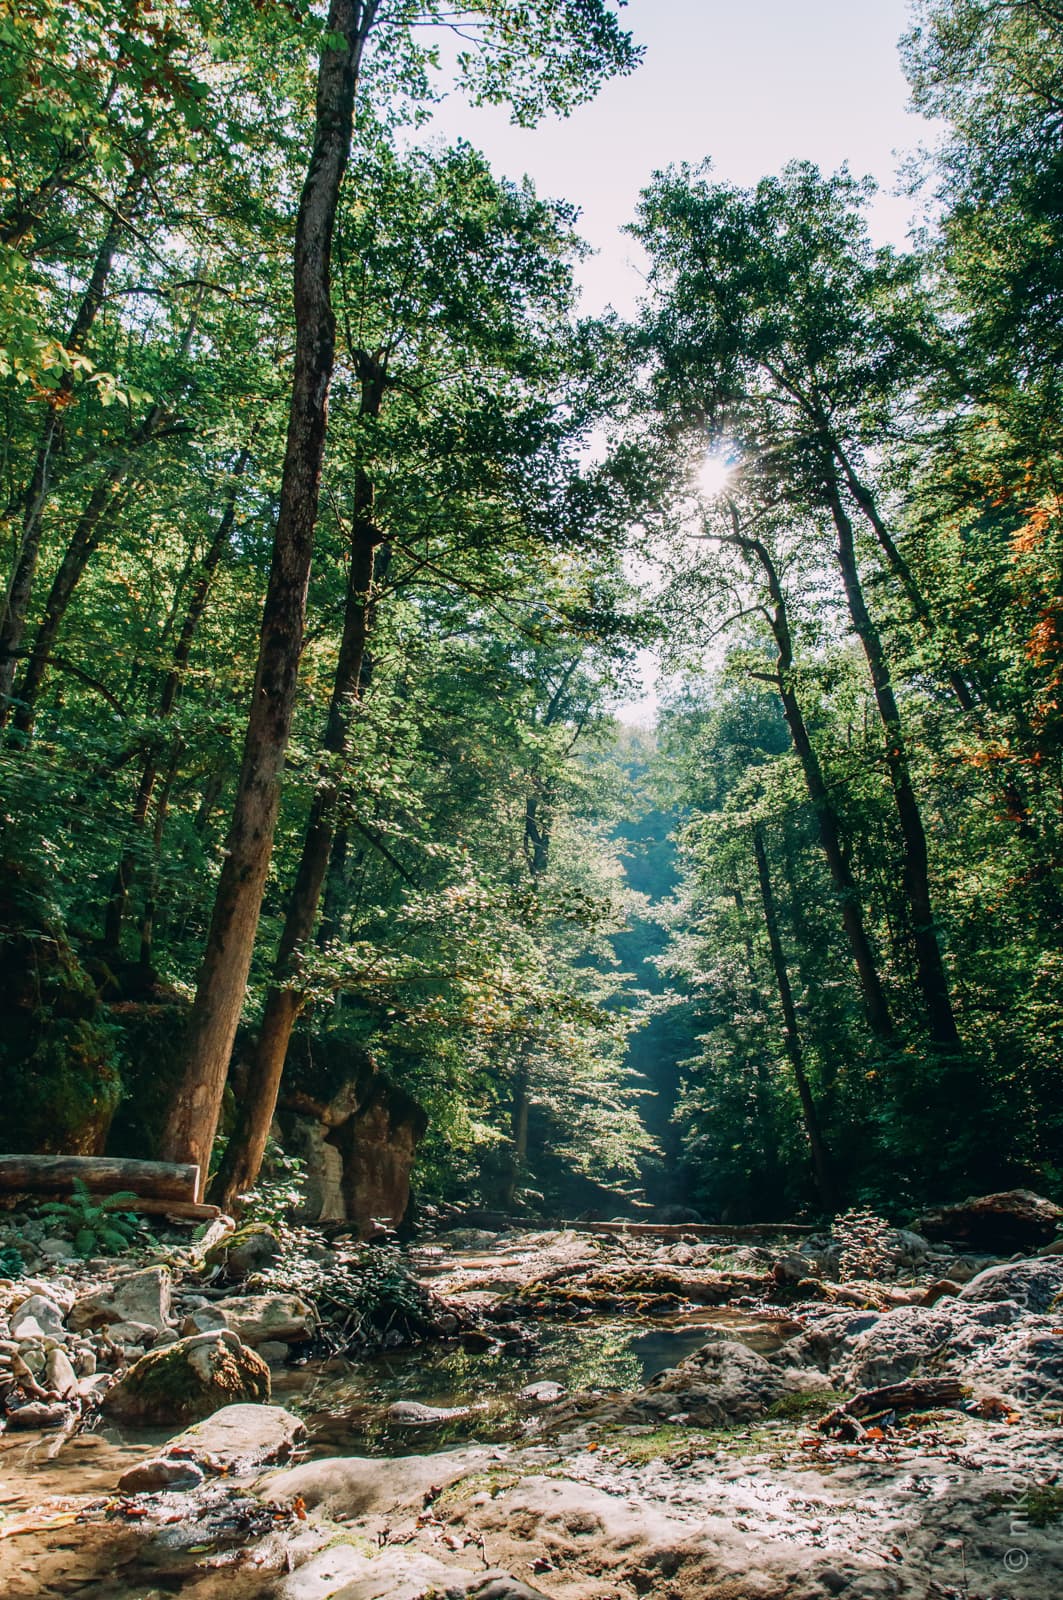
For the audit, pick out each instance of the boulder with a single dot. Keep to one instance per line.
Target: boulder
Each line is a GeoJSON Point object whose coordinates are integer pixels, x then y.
{"type": "Point", "coordinates": [60, 1376]}
{"type": "Point", "coordinates": [1033, 1284]}
{"type": "Point", "coordinates": [189, 1380]}
{"type": "Point", "coordinates": [412, 1414]}
{"type": "Point", "coordinates": [266, 1318]}
{"type": "Point", "coordinates": [1017, 1219]}
{"type": "Point", "coordinates": [37, 1317]}
{"type": "Point", "coordinates": [160, 1472]}
{"type": "Point", "coordinates": [361, 1485]}
{"type": "Point", "coordinates": [246, 1251]}
{"type": "Point", "coordinates": [38, 1415]}
{"type": "Point", "coordinates": [723, 1382]}
{"type": "Point", "coordinates": [240, 1437]}
{"type": "Point", "coordinates": [139, 1297]}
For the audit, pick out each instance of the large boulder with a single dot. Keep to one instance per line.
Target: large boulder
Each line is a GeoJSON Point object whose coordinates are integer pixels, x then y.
{"type": "Point", "coordinates": [188, 1380]}
{"type": "Point", "coordinates": [246, 1251]}
{"type": "Point", "coordinates": [1032, 1284]}
{"type": "Point", "coordinates": [137, 1297]}
{"type": "Point", "coordinates": [998, 1224]}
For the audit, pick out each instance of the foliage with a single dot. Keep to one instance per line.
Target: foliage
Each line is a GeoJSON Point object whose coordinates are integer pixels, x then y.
{"type": "Point", "coordinates": [361, 1297]}
{"type": "Point", "coordinates": [95, 1224]}
{"type": "Point", "coordinates": [280, 1191]}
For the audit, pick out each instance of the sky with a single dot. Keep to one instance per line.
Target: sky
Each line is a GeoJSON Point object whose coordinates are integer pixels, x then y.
{"type": "Point", "coordinates": [751, 84]}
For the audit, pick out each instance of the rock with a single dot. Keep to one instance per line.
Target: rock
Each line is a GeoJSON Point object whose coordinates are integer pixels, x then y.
{"type": "Point", "coordinates": [1017, 1219]}
{"type": "Point", "coordinates": [57, 1249]}
{"type": "Point", "coordinates": [262, 1318]}
{"type": "Point", "coordinates": [240, 1437]}
{"type": "Point", "coordinates": [203, 1319]}
{"type": "Point", "coordinates": [722, 1382]}
{"type": "Point", "coordinates": [274, 1352]}
{"type": "Point", "coordinates": [189, 1379]}
{"type": "Point", "coordinates": [140, 1297]}
{"type": "Point", "coordinates": [1034, 1284]}
{"type": "Point", "coordinates": [132, 1335]}
{"type": "Point", "coordinates": [412, 1414]}
{"type": "Point", "coordinates": [60, 1376]}
{"type": "Point", "coordinates": [246, 1251]}
{"type": "Point", "coordinates": [38, 1414]}
{"type": "Point", "coordinates": [160, 1472]}
{"type": "Point", "coordinates": [37, 1318]}
{"type": "Point", "coordinates": [542, 1394]}
{"type": "Point", "coordinates": [359, 1485]}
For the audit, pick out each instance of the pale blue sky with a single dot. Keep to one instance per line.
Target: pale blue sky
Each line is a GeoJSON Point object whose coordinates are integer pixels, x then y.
{"type": "Point", "coordinates": [750, 84]}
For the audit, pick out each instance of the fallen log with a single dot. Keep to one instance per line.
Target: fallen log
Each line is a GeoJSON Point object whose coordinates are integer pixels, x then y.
{"type": "Point", "coordinates": [180, 1210]}
{"type": "Point", "coordinates": [721, 1232]}
{"type": "Point", "coordinates": [102, 1175]}
{"type": "Point", "coordinates": [917, 1395]}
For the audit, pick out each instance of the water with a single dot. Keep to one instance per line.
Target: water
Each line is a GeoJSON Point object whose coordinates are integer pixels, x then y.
{"type": "Point", "coordinates": [346, 1404]}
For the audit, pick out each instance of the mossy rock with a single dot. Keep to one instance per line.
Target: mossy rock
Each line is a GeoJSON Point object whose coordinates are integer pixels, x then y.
{"type": "Point", "coordinates": [246, 1251]}
{"type": "Point", "coordinates": [188, 1380]}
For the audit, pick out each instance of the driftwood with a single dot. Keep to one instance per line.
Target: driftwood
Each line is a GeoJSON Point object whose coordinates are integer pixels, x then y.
{"type": "Point", "coordinates": [916, 1395]}
{"type": "Point", "coordinates": [150, 1180]}
{"type": "Point", "coordinates": [180, 1210]}
{"type": "Point", "coordinates": [720, 1232]}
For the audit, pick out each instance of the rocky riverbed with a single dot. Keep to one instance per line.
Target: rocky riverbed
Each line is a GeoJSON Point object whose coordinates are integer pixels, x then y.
{"type": "Point", "coordinates": [555, 1412]}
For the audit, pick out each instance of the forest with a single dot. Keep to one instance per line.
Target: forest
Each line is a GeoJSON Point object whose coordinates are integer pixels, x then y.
{"type": "Point", "coordinates": [319, 607]}
{"type": "Point", "coordinates": [390, 1014]}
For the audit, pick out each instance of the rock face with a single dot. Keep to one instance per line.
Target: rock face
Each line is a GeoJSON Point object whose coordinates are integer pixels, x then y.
{"type": "Point", "coordinates": [1017, 1219]}
{"type": "Point", "coordinates": [188, 1380]}
{"type": "Point", "coordinates": [357, 1132]}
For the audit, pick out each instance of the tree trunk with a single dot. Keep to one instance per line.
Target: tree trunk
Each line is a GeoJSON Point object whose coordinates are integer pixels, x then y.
{"type": "Point", "coordinates": [156, 1180]}
{"type": "Point", "coordinates": [875, 1005]}
{"type": "Point", "coordinates": [123, 876]}
{"type": "Point", "coordinates": [930, 968]}
{"type": "Point", "coordinates": [791, 1036]}
{"type": "Point", "coordinates": [284, 1001]}
{"type": "Point", "coordinates": [238, 902]}
{"type": "Point", "coordinates": [16, 604]}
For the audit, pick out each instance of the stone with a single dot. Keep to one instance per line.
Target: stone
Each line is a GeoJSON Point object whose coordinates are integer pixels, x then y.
{"type": "Point", "coordinates": [246, 1251]}
{"type": "Point", "coordinates": [265, 1318]}
{"type": "Point", "coordinates": [60, 1376]}
{"type": "Point", "coordinates": [133, 1334]}
{"type": "Point", "coordinates": [274, 1352]}
{"type": "Point", "coordinates": [188, 1380]}
{"type": "Point", "coordinates": [1017, 1219]}
{"type": "Point", "coordinates": [1034, 1283]}
{"type": "Point", "coordinates": [142, 1297]}
{"type": "Point", "coordinates": [240, 1437]}
{"type": "Point", "coordinates": [203, 1319]}
{"type": "Point", "coordinates": [38, 1415]}
{"type": "Point", "coordinates": [38, 1317]}
{"type": "Point", "coordinates": [360, 1485]}
{"type": "Point", "coordinates": [938, 1291]}
{"type": "Point", "coordinates": [160, 1472]}
{"type": "Point", "coordinates": [542, 1394]}
{"type": "Point", "coordinates": [412, 1414]}
{"type": "Point", "coordinates": [57, 1249]}
{"type": "Point", "coordinates": [722, 1382]}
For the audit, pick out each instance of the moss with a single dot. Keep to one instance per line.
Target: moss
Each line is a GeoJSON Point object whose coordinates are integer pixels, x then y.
{"type": "Point", "coordinates": [793, 1407]}
{"type": "Point", "coordinates": [493, 1481]}
{"type": "Point", "coordinates": [670, 1442]}
{"type": "Point", "coordinates": [176, 1384]}
{"type": "Point", "coordinates": [1040, 1505]}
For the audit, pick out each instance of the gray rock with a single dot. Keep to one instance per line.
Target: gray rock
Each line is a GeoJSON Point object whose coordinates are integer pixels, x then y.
{"type": "Point", "coordinates": [189, 1380]}
{"type": "Point", "coordinates": [141, 1297]}
{"type": "Point", "coordinates": [38, 1414]}
{"type": "Point", "coordinates": [36, 1318]}
{"type": "Point", "coordinates": [722, 1382]}
{"type": "Point", "coordinates": [246, 1251]}
{"type": "Point", "coordinates": [412, 1414]}
{"type": "Point", "coordinates": [542, 1394]}
{"type": "Point", "coordinates": [57, 1249]}
{"type": "Point", "coordinates": [274, 1352]}
{"type": "Point", "coordinates": [60, 1376]}
{"type": "Point", "coordinates": [203, 1319]}
{"type": "Point", "coordinates": [1033, 1284]}
{"type": "Point", "coordinates": [160, 1472]}
{"type": "Point", "coordinates": [260, 1318]}
{"type": "Point", "coordinates": [240, 1437]}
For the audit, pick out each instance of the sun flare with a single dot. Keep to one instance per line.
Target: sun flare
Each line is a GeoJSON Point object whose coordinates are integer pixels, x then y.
{"type": "Point", "coordinates": [714, 475]}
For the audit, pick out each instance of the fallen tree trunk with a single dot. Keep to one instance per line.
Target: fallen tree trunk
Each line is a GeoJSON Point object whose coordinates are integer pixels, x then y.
{"type": "Point", "coordinates": [696, 1230]}
{"type": "Point", "coordinates": [148, 1180]}
{"type": "Point", "coordinates": [918, 1394]}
